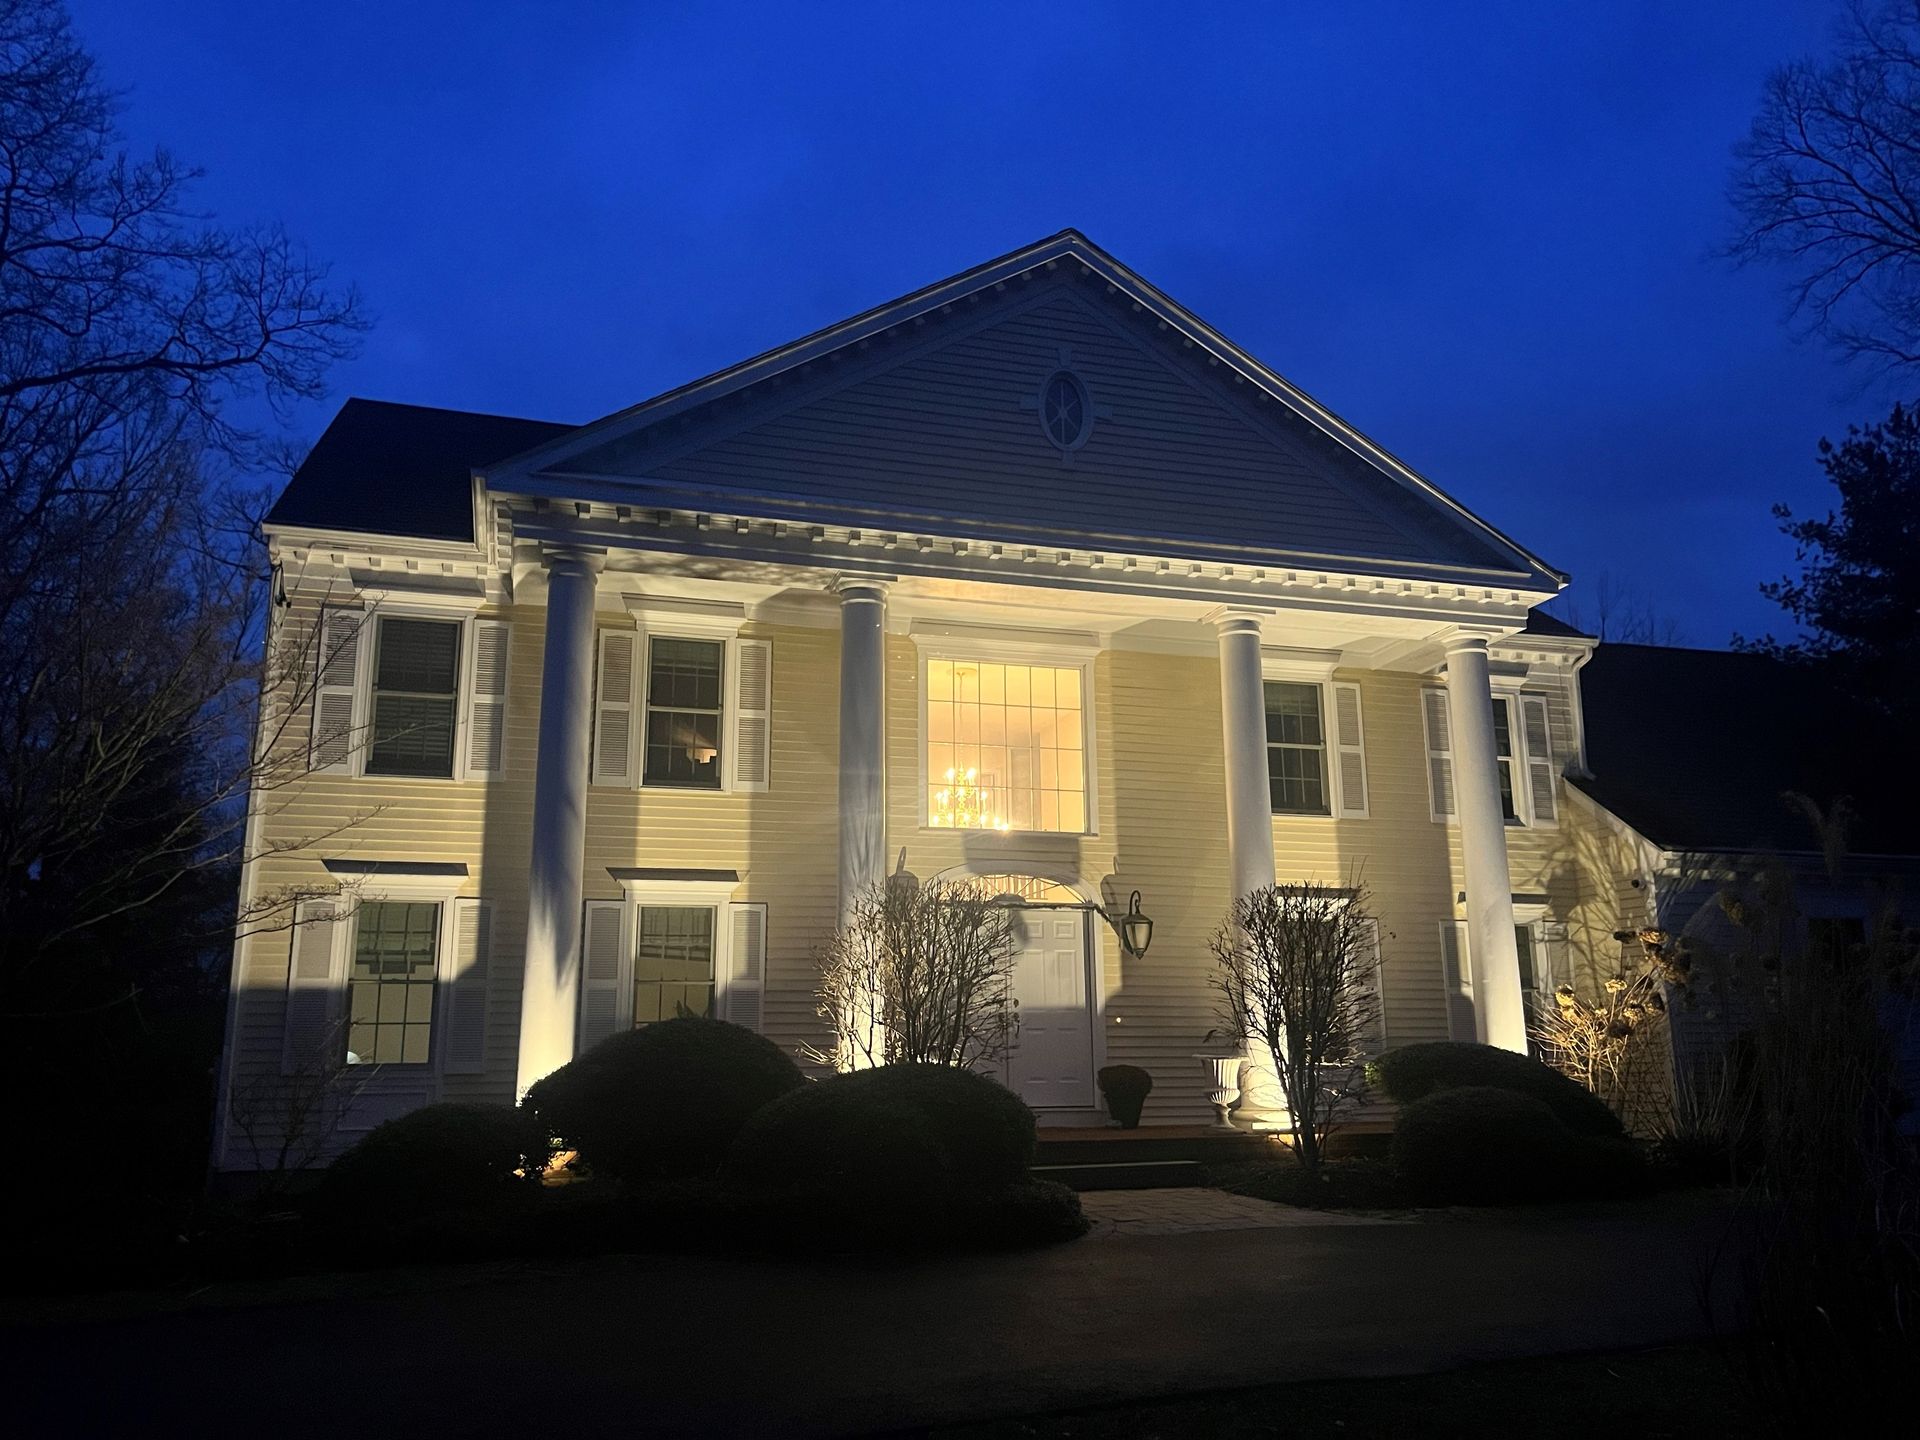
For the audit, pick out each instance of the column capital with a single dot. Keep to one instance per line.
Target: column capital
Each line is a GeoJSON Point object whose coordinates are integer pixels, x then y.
{"type": "Point", "coordinates": [1460, 639]}
{"type": "Point", "coordinates": [861, 589]}
{"type": "Point", "coordinates": [1237, 619]}
{"type": "Point", "coordinates": [576, 560]}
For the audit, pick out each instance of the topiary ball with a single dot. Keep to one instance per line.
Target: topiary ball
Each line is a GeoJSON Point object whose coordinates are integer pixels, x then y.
{"type": "Point", "coordinates": [1413, 1072]}
{"type": "Point", "coordinates": [665, 1100]}
{"type": "Point", "coordinates": [441, 1157]}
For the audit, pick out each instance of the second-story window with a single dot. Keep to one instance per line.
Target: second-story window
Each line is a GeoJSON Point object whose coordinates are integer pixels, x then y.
{"type": "Point", "coordinates": [1296, 749]}
{"type": "Point", "coordinates": [1503, 748]}
{"type": "Point", "coordinates": [416, 687]}
{"type": "Point", "coordinates": [683, 713]}
{"type": "Point", "coordinates": [1006, 747]}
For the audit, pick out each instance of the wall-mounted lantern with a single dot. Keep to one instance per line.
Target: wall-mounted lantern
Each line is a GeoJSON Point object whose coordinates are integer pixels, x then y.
{"type": "Point", "coordinates": [1136, 930]}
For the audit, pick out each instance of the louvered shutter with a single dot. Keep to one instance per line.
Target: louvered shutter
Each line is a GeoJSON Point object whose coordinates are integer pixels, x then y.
{"type": "Point", "coordinates": [1456, 972]}
{"type": "Point", "coordinates": [747, 965]}
{"type": "Point", "coordinates": [487, 706]}
{"type": "Point", "coordinates": [1366, 980]}
{"type": "Point", "coordinates": [1350, 751]}
{"type": "Point", "coordinates": [613, 714]}
{"type": "Point", "coordinates": [313, 989]}
{"type": "Point", "coordinates": [342, 634]}
{"type": "Point", "coordinates": [751, 714]}
{"type": "Point", "coordinates": [464, 1049]}
{"type": "Point", "coordinates": [1540, 767]}
{"type": "Point", "coordinates": [1433, 705]}
{"type": "Point", "coordinates": [604, 974]}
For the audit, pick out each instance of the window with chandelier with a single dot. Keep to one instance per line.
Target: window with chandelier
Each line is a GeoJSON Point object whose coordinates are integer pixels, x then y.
{"type": "Point", "coordinates": [1005, 746]}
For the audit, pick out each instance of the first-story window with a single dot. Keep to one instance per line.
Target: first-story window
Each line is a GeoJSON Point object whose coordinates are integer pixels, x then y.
{"type": "Point", "coordinates": [683, 713]}
{"type": "Point", "coordinates": [673, 962]}
{"type": "Point", "coordinates": [1006, 747]}
{"type": "Point", "coordinates": [416, 687]}
{"type": "Point", "coordinates": [1296, 749]}
{"type": "Point", "coordinates": [390, 987]}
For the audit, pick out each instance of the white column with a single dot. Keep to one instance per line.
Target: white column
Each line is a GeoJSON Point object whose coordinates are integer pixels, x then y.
{"type": "Point", "coordinates": [550, 988]}
{"type": "Point", "coordinates": [863, 738]}
{"type": "Point", "coordinates": [1500, 1015]}
{"type": "Point", "coordinates": [1243, 709]}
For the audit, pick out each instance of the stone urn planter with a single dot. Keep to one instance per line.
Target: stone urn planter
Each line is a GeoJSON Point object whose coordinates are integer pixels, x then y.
{"type": "Point", "coordinates": [1222, 1074]}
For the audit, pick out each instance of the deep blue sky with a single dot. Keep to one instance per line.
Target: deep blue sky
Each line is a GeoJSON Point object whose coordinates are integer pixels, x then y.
{"type": "Point", "coordinates": [1483, 235]}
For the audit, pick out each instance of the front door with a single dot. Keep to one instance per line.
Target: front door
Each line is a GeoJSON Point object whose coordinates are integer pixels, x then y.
{"type": "Point", "coordinates": [1050, 1030]}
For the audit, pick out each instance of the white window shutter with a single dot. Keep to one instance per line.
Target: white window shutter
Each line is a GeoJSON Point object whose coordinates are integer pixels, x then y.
{"type": "Point", "coordinates": [1540, 768]}
{"type": "Point", "coordinates": [613, 716]}
{"type": "Point", "coordinates": [1553, 966]}
{"type": "Point", "coordinates": [343, 633]}
{"type": "Point", "coordinates": [487, 705]}
{"type": "Point", "coordinates": [1366, 979]}
{"type": "Point", "coordinates": [313, 989]}
{"type": "Point", "coordinates": [750, 715]}
{"type": "Point", "coordinates": [1456, 973]}
{"type": "Point", "coordinates": [1350, 751]}
{"type": "Point", "coordinates": [747, 965]}
{"type": "Point", "coordinates": [464, 1050]}
{"type": "Point", "coordinates": [605, 971]}
{"type": "Point", "coordinates": [1433, 705]}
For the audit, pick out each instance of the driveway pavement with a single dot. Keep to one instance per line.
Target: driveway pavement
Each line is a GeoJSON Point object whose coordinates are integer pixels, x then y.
{"type": "Point", "coordinates": [655, 1345]}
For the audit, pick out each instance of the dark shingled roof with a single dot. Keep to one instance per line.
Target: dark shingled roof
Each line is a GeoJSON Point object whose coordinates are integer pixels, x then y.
{"type": "Point", "coordinates": [1696, 750]}
{"type": "Point", "coordinates": [402, 469]}
{"type": "Point", "coordinates": [1539, 622]}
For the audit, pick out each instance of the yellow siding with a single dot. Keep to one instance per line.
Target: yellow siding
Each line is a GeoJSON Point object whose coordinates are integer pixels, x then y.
{"type": "Point", "coordinates": [1162, 830]}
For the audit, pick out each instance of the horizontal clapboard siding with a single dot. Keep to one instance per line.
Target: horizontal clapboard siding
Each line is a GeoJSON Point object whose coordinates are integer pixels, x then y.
{"type": "Point", "coordinates": [949, 429]}
{"type": "Point", "coordinates": [1160, 800]}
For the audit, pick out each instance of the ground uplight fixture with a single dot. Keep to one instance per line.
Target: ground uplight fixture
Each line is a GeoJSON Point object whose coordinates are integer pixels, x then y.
{"type": "Point", "coordinates": [1136, 930]}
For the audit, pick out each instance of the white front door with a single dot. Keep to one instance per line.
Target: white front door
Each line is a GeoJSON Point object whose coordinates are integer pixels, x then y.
{"type": "Point", "coordinates": [1050, 1030]}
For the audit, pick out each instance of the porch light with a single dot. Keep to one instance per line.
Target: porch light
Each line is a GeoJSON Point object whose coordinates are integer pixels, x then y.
{"type": "Point", "coordinates": [1136, 930]}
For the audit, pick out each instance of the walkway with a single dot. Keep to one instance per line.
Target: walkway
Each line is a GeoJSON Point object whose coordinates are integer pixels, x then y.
{"type": "Point", "coordinates": [1132, 1213]}
{"type": "Point", "coordinates": [681, 1345]}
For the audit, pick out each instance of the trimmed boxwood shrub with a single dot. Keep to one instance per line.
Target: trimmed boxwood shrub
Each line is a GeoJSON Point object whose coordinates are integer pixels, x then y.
{"type": "Point", "coordinates": [857, 1129]}
{"type": "Point", "coordinates": [1481, 1145]}
{"type": "Point", "coordinates": [442, 1157]}
{"type": "Point", "coordinates": [663, 1101]}
{"type": "Point", "coordinates": [1415, 1071]}
{"type": "Point", "coordinates": [1126, 1088]}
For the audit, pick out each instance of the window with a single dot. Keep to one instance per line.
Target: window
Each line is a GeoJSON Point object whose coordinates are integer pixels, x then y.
{"type": "Point", "coordinates": [683, 713]}
{"type": "Point", "coordinates": [390, 987]}
{"type": "Point", "coordinates": [1064, 412]}
{"type": "Point", "coordinates": [673, 962]}
{"type": "Point", "coordinates": [1503, 747]}
{"type": "Point", "coordinates": [1006, 747]}
{"type": "Point", "coordinates": [1296, 749]}
{"type": "Point", "coordinates": [416, 686]}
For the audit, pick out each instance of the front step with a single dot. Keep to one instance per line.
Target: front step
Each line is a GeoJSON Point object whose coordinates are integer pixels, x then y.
{"type": "Point", "coordinates": [1123, 1174]}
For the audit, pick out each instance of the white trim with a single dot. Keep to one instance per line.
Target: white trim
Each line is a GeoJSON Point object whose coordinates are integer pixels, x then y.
{"type": "Point", "coordinates": [683, 617]}
{"type": "Point", "coordinates": [953, 640]}
{"type": "Point", "coordinates": [436, 890]}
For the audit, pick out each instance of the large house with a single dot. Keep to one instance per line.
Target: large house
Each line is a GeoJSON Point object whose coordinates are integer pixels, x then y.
{"type": "Point", "coordinates": [1031, 576]}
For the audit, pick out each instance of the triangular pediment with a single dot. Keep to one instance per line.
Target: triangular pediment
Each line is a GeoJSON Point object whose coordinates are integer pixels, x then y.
{"type": "Point", "coordinates": [1053, 402]}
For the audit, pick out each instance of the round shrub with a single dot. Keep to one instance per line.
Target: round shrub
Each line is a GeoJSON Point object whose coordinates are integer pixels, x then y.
{"type": "Point", "coordinates": [450, 1156]}
{"type": "Point", "coordinates": [1478, 1145]}
{"type": "Point", "coordinates": [1415, 1071]}
{"type": "Point", "coordinates": [1126, 1088]}
{"type": "Point", "coordinates": [663, 1101]}
{"type": "Point", "coordinates": [982, 1132]}
{"type": "Point", "coordinates": [821, 1144]}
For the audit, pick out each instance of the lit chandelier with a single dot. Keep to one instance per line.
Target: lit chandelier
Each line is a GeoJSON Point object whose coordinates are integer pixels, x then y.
{"type": "Point", "coordinates": [965, 804]}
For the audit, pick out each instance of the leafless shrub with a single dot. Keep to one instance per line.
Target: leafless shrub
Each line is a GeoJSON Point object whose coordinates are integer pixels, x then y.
{"type": "Point", "coordinates": [1293, 967]}
{"type": "Point", "coordinates": [1611, 1043]}
{"type": "Point", "coordinates": [288, 1117]}
{"type": "Point", "coordinates": [919, 975]}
